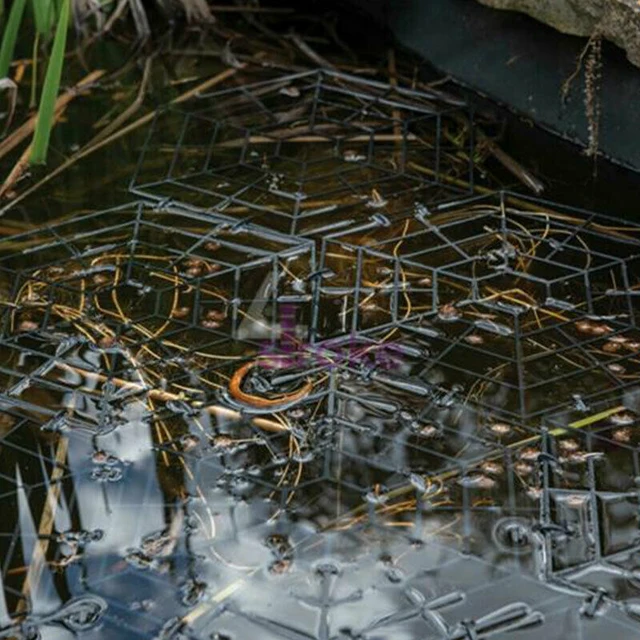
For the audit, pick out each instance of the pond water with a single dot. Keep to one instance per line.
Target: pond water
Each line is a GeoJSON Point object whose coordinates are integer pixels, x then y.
{"type": "Point", "coordinates": [285, 361]}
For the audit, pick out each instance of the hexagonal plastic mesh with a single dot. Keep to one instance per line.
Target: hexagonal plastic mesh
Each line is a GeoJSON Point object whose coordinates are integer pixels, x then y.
{"type": "Point", "coordinates": [302, 396]}
{"type": "Point", "coordinates": [306, 152]}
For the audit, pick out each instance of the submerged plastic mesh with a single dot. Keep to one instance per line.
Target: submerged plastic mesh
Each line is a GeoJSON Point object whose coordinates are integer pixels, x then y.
{"type": "Point", "coordinates": [396, 412]}
{"type": "Point", "coordinates": [304, 153]}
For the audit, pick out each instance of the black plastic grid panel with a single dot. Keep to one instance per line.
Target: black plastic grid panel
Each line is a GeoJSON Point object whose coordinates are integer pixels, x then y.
{"type": "Point", "coordinates": [532, 303]}
{"type": "Point", "coordinates": [394, 477]}
{"type": "Point", "coordinates": [306, 153]}
{"type": "Point", "coordinates": [396, 485]}
{"type": "Point", "coordinates": [141, 284]}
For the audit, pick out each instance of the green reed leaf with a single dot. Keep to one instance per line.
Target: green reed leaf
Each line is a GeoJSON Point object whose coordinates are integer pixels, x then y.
{"type": "Point", "coordinates": [46, 111]}
{"type": "Point", "coordinates": [10, 36]}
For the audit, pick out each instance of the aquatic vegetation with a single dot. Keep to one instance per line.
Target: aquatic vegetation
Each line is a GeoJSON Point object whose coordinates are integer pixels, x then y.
{"type": "Point", "coordinates": [51, 85]}
{"type": "Point", "coordinates": [311, 384]}
{"type": "Point", "coordinates": [10, 35]}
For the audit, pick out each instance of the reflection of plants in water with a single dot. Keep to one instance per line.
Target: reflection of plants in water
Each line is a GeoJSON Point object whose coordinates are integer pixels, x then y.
{"type": "Point", "coordinates": [77, 615]}
{"type": "Point", "coordinates": [102, 303]}
{"type": "Point", "coordinates": [399, 604]}
{"type": "Point", "coordinates": [320, 431]}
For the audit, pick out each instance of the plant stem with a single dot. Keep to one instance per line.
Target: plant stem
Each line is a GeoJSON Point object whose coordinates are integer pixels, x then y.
{"type": "Point", "coordinates": [10, 36]}
{"type": "Point", "coordinates": [50, 89]}
{"type": "Point", "coordinates": [34, 72]}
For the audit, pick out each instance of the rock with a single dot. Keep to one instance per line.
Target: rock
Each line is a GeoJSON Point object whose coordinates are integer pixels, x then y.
{"type": "Point", "coordinates": [616, 20]}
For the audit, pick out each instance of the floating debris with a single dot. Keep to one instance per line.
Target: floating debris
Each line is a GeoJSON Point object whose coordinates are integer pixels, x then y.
{"type": "Point", "coordinates": [28, 325]}
{"type": "Point", "coordinates": [353, 156]}
{"type": "Point", "coordinates": [477, 481]}
{"type": "Point", "coordinates": [280, 567]}
{"type": "Point", "coordinates": [290, 92]}
{"type": "Point", "coordinates": [622, 418]}
{"type": "Point", "coordinates": [523, 468]}
{"type": "Point", "coordinates": [449, 313]}
{"type": "Point", "coordinates": [492, 468]}
{"type": "Point", "coordinates": [376, 201]}
{"type": "Point", "coordinates": [192, 592]}
{"type": "Point", "coordinates": [569, 445]}
{"type": "Point", "coordinates": [624, 435]}
{"type": "Point", "coordinates": [189, 442]}
{"type": "Point", "coordinates": [530, 454]}
{"type": "Point", "coordinates": [500, 428]}
{"type": "Point", "coordinates": [259, 330]}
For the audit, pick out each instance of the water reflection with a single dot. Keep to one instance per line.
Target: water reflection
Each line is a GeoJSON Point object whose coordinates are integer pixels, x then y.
{"type": "Point", "coordinates": [210, 430]}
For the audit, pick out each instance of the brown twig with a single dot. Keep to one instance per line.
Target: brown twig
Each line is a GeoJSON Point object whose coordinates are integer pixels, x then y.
{"type": "Point", "coordinates": [22, 165]}
{"type": "Point", "coordinates": [47, 521]}
{"type": "Point", "coordinates": [310, 53]}
{"type": "Point", "coordinates": [512, 165]}
{"type": "Point", "coordinates": [19, 169]}
{"type": "Point", "coordinates": [232, 144]}
{"type": "Point", "coordinates": [26, 129]}
{"type": "Point", "coordinates": [83, 153]}
{"type": "Point", "coordinates": [130, 110]}
{"type": "Point", "coordinates": [233, 9]}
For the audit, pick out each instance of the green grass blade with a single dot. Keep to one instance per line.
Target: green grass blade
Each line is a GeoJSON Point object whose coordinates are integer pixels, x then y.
{"type": "Point", "coordinates": [10, 35]}
{"type": "Point", "coordinates": [50, 89]}
{"type": "Point", "coordinates": [43, 13]}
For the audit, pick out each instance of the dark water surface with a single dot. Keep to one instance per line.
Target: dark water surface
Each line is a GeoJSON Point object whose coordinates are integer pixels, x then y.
{"type": "Point", "coordinates": [271, 369]}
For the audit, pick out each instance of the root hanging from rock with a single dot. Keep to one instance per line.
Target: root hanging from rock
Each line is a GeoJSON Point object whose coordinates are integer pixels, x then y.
{"type": "Point", "coordinates": [592, 80]}
{"type": "Point", "coordinates": [589, 61]}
